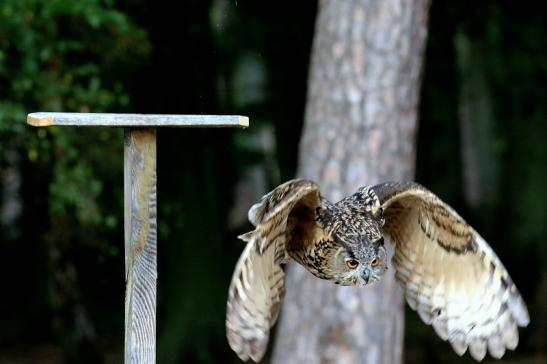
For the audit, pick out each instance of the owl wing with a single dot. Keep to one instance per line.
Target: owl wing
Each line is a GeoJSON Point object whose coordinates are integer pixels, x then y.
{"type": "Point", "coordinates": [449, 274]}
{"type": "Point", "coordinates": [257, 286]}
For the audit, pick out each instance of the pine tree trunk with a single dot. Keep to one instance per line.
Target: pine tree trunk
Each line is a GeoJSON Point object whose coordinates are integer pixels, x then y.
{"type": "Point", "coordinates": [360, 128]}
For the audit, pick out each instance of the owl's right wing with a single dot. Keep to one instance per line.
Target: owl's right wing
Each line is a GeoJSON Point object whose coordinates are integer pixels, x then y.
{"type": "Point", "coordinates": [257, 287]}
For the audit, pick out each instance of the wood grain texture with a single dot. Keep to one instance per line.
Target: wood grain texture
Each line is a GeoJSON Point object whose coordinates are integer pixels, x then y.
{"type": "Point", "coordinates": [140, 244]}
{"type": "Point", "coordinates": [136, 120]}
{"type": "Point", "coordinates": [359, 129]}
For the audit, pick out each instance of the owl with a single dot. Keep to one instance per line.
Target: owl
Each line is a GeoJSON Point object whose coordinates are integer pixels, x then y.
{"type": "Point", "coordinates": [447, 271]}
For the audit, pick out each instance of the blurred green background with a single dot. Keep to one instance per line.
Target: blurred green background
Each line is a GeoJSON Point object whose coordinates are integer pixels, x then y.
{"type": "Point", "coordinates": [482, 146]}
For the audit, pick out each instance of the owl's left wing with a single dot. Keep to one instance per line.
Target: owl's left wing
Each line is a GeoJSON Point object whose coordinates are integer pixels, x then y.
{"type": "Point", "coordinates": [449, 274]}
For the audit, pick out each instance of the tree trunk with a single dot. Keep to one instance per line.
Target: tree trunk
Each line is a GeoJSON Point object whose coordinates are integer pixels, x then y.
{"type": "Point", "coordinates": [360, 128]}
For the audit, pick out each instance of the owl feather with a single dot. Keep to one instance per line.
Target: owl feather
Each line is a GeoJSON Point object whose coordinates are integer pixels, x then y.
{"type": "Point", "coordinates": [257, 287]}
{"type": "Point", "coordinates": [449, 274]}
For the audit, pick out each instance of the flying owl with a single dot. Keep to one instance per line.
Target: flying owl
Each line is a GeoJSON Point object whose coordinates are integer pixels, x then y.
{"type": "Point", "coordinates": [449, 274]}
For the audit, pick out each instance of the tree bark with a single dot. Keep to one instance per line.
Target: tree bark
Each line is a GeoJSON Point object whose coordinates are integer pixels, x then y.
{"type": "Point", "coordinates": [360, 127]}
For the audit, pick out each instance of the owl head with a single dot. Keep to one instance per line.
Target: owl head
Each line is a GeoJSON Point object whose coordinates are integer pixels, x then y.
{"type": "Point", "coordinates": [361, 258]}
{"type": "Point", "coordinates": [360, 263]}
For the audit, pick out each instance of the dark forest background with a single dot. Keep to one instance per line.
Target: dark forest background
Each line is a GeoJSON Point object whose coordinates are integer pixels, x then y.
{"type": "Point", "coordinates": [482, 146]}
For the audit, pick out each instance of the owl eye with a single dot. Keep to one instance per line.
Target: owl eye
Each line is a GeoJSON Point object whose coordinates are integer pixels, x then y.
{"type": "Point", "coordinates": [352, 263]}
{"type": "Point", "coordinates": [375, 262]}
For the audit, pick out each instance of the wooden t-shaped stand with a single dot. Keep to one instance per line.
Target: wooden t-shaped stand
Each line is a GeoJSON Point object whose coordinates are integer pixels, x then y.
{"type": "Point", "coordinates": [140, 210]}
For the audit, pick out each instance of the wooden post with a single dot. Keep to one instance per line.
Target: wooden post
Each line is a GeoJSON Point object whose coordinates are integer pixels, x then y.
{"type": "Point", "coordinates": [140, 210]}
{"type": "Point", "coordinates": [140, 244]}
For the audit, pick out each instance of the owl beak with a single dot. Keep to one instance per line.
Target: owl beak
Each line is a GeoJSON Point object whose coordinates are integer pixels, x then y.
{"type": "Point", "coordinates": [366, 275]}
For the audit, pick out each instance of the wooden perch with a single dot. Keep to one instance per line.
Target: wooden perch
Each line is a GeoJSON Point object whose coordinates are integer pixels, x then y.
{"type": "Point", "coordinates": [140, 244]}
{"type": "Point", "coordinates": [136, 120]}
{"type": "Point", "coordinates": [140, 210]}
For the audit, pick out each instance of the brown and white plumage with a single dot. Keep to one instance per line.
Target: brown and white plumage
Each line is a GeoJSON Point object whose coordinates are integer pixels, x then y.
{"type": "Point", "coordinates": [449, 274]}
{"type": "Point", "coordinates": [257, 286]}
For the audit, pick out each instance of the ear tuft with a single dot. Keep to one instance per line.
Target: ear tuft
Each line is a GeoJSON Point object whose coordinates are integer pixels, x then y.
{"type": "Point", "coordinates": [370, 201]}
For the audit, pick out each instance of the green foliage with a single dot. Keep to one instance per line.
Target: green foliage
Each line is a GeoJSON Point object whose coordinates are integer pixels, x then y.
{"type": "Point", "coordinates": [60, 56]}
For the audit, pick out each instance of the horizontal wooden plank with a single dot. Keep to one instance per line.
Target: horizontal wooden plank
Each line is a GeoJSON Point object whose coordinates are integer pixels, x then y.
{"type": "Point", "coordinates": [136, 120]}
